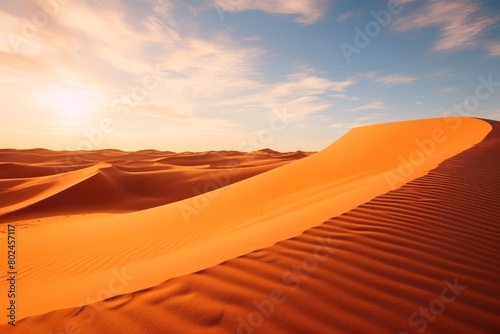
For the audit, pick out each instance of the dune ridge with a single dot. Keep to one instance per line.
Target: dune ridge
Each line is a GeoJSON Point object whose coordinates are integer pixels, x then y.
{"type": "Point", "coordinates": [61, 183]}
{"type": "Point", "coordinates": [382, 262]}
{"type": "Point", "coordinates": [23, 192]}
{"type": "Point", "coordinates": [161, 243]}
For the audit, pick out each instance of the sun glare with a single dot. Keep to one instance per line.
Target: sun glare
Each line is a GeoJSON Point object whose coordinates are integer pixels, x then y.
{"type": "Point", "coordinates": [69, 103]}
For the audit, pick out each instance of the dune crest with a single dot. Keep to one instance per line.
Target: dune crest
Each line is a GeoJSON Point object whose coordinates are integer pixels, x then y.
{"type": "Point", "coordinates": [154, 245]}
{"type": "Point", "coordinates": [23, 192]}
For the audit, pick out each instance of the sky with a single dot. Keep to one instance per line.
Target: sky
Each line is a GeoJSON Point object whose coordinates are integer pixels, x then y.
{"type": "Point", "coordinates": [200, 75]}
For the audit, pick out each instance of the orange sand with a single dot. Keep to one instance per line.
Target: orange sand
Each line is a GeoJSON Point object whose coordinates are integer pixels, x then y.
{"type": "Point", "coordinates": [68, 261]}
{"type": "Point", "coordinates": [46, 183]}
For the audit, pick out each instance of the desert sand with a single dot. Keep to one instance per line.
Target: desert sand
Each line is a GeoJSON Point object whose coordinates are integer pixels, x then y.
{"type": "Point", "coordinates": [46, 183]}
{"type": "Point", "coordinates": [355, 238]}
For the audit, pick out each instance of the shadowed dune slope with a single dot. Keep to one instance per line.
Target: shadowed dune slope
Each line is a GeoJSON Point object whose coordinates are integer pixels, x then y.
{"type": "Point", "coordinates": [18, 193]}
{"type": "Point", "coordinates": [430, 246]}
{"type": "Point", "coordinates": [67, 261]}
{"type": "Point", "coordinates": [58, 183]}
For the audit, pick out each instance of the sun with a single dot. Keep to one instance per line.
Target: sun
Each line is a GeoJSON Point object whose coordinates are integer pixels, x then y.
{"type": "Point", "coordinates": [68, 102]}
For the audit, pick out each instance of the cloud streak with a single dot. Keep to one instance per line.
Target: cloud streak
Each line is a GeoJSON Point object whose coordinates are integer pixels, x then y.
{"type": "Point", "coordinates": [375, 105]}
{"type": "Point", "coordinates": [369, 117]}
{"type": "Point", "coordinates": [494, 49]}
{"type": "Point", "coordinates": [389, 80]}
{"type": "Point", "coordinates": [461, 23]}
{"type": "Point", "coordinates": [303, 11]}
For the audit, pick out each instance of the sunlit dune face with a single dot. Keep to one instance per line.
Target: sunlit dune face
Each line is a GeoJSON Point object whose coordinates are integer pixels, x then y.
{"type": "Point", "coordinates": [69, 103]}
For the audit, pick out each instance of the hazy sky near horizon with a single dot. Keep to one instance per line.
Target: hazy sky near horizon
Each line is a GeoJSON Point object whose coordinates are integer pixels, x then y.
{"type": "Point", "coordinates": [238, 74]}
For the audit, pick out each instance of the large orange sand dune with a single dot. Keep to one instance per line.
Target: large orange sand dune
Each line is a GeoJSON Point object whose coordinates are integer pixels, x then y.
{"type": "Point", "coordinates": [378, 265]}
{"type": "Point", "coordinates": [381, 265]}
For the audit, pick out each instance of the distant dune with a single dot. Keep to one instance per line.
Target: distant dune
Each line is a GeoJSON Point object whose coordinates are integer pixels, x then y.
{"type": "Point", "coordinates": [415, 209]}
{"type": "Point", "coordinates": [40, 183]}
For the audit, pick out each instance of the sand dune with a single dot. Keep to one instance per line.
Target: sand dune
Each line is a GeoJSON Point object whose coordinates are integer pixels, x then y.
{"type": "Point", "coordinates": [27, 191]}
{"type": "Point", "coordinates": [85, 251]}
{"type": "Point", "coordinates": [116, 181]}
{"type": "Point", "coordinates": [432, 244]}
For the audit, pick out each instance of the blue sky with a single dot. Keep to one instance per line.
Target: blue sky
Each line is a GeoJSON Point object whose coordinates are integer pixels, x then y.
{"type": "Point", "coordinates": [233, 74]}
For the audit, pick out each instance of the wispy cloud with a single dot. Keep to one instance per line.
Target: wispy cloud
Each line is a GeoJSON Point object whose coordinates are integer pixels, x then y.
{"type": "Point", "coordinates": [360, 121]}
{"type": "Point", "coordinates": [494, 49]}
{"type": "Point", "coordinates": [163, 8]}
{"type": "Point", "coordinates": [252, 38]}
{"type": "Point", "coordinates": [369, 117]}
{"type": "Point", "coordinates": [303, 93]}
{"type": "Point", "coordinates": [161, 111]}
{"type": "Point", "coordinates": [345, 16]}
{"type": "Point", "coordinates": [440, 74]}
{"type": "Point", "coordinates": [462, 23]}
{"type": "Point", "coordinates": [389, 80]}
{"type": "Point", "coordinates": [346, 97]}
{"type": "Point", "coordinates": [304, 11]}
{"type": "Point", "coordinates": [375, 105]}
{"type": "Point", "coordinates": [344, 125]}
{"type": "Point", "coordinates": [448, 89]}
